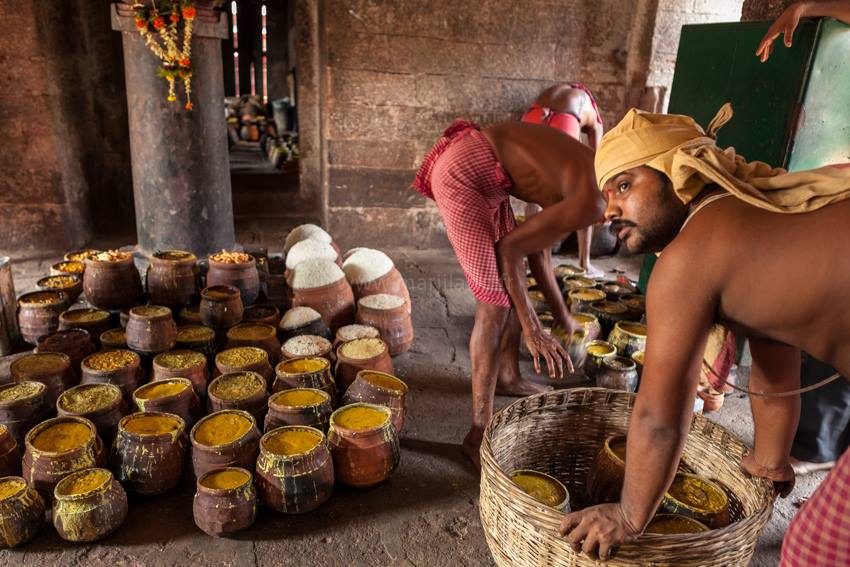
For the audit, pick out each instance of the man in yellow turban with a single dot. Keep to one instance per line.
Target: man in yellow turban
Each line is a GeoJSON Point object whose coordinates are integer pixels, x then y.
{"type": "Point", "coordinates": [752, 247]}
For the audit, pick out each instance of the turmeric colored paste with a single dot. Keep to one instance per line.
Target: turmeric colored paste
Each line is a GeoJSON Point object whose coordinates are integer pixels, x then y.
{"type": "Point", "coordinates": [303, 365]}
{"type": "Point", "coordinates": [39, 364]}
{"type": "Point", "coordinates": [541, 487]}
{"type": "Point", "coordinates": [697, 493]}
{"type": "Point", "coordinates": [601, 350]}
{"type": "Point", "coordinates": [584, 318]}
{"type": "Point", "coordinates": [251, 331]}
{"type": "Point", "coordinates": [360, 418]}
{"type": "Point", "coordinates": [146, 424]}
{"type": "Point", "coordinates": [291, 442]}
{"type": "Point", "coordinates": [237, 385]}
{"type": "Point", "coordinates": [587, 294]}
{"type": "Point", "coordinates": [62, 436]}
{"type": "Point", "coordinates": [225, 480]}
{"type": "Point", "coordinates": [361, 349]}
{"type": "Point", "coordinates": [299, 398]}
{"type": "Point", "coordinates": [83, 482]}
{"type": "Point", "coordinates": [176, 359]}
{"type": "Point", "coordinates": [634, 328]}
{"type": "Point", "coordinates": [111, 360]}
{"type": "Point", "coordinates": [241, 356]}
{"type": "Point", "coordinates": [160, 389]}
{"type": "Point", "coordinates": [10, 486]}
{"type": "Point", "coordinates": [669, 524]}
{"type": "Point", "coordinates": [222, 428]}
{"type": "Point", "coordinates": [384, 381]}
{"type": "Point", "coordinates": [150, 311]}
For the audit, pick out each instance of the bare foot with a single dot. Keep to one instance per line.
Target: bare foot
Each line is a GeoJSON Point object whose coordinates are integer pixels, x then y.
{"type": "Point", "coordinates": [806, 467]}
{"type": "Point", "coordinates": [519, 386]}
{"type": "Point", "coordinates": [471, 447]}
{"type": "Point", "coordinates": [591, 271]}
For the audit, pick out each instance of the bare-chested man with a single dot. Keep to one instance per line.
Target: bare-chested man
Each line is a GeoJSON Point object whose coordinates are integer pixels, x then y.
{"type": "Point", "coordinates": [754, 248]}
{"type": "Point", "coordinates": [471, 174]}
{"type": "Point", "coordinates": [572, 109]}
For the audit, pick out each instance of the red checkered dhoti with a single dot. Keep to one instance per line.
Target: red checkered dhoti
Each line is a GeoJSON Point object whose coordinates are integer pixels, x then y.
{"type": "Point", "coordinates": [819, 536]}
{"type": "Point", "coordinates": [472, 190]}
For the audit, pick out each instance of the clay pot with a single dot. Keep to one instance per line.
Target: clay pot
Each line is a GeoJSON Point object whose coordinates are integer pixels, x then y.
{"type": "Point", "coordinates": [597, 352]}
{"type": "Point", "coordinates": [628, 337]}
{"type": "Point", "coordinates": [299, 406]}
{"type": "Point", "coordinates": [228, 438]}
{"type": "Point", "coordinates": [188, 364]}
{"type": "Point", "coordinates": [190, 315]}
{"type": "Point", "coordinates": [268, 314]}
{"type": "Point", "coordinates": [112, 285]}
{"type": "Point", "coordinates": [635, 304]}
{"type": "Point", "coordinates": [260, 335]}
{"type": "Point", "coordinates": [150, 329]}
{"type": "Point", "coordinates": [38, 313]}
{"type": "Point", "coordinates": [22, 406]}
{"type": "Point", "coordinates": [171, 395]}
{"type": "Point", "coordinates": [580, 299]}
{"type": "Point", "coordinates": [606, 474]}
{"type": "Point", "coordinates": [21, 512]}
{"type": "Point", "coordinates": [149, 451]}
{"type": "Point", "coordinates": [394, 324]}
{"type": "Point", "coordinates": [68, 268]}
{"type": "Point", "coordinates": [351, 360]}
{"type": "Point", "coordinates": [353, 332]}
{"type": "Point", "coordinates": [572, 283]}
{"type": "Point", "coordinates": [197, 338]}
{"type": "Point", "coordinates": [316, 328]}
{"type": "Point", "coordinates": [88, 505]}
{"type": "Point", "coordinates": [590, 324]}
{"type": "Point", "coordinates": [638, 358]}
{"type": "Point", "coordinates": [608, 313]}
{"type": "Point", "coordinates": [334, 301]}
{"type": "Point", "coordinates": [53, 369]}
{"type": "Point", "coordinates": [306, 372]}
{"type": "Point", "coordinates": [113, 339]}
{"type": "Point", "coordinates": [391, 283]}
{"type": "Point", "coordinates": [560, 497]}
{"type": "Point", "coordinates": [171, 279]}
{"type": "Point", "coordinates": [307, 346]}
{"type": "Point", "coordinates": [72, 286]}
{"type": "Point", "coordinates": [538, 301]}
{"type": "Point", "coordinates": [672, 524]}
{"type": "Point", "coordinates": [10, 453]}
{"type": "Point", "coordinates": [120, 367]}
{"type": "Point", "coordinates": [714, 514]}
{"type": "Point", "coordinates": [221, 306]}
{"type": "Point", "coordinates": [242, 276]}
{"type": "Point", "coordinates": [95, 321]}
{"type": "Point", "coordinates": [712, 401]}
{"type": "Point", "coordinates": [244, 359]}
{"type": "Point", "coordinates": [382, 389]}
{"type": "Point", "coordinates": [614, 290]}
{"type": "Point", "coordinates": [567, 270]}
{"type": "Point", "coordinates": [294, 483]}
{"type": "Point", "coordinates": [80, 255]}
{"type": "Point", "coordinates": [617, 373]}
{"type": "Point", "coordinates": [102, 404]}
{"type": "Point", "coordinates": [76, 344]}
{"type": "Point", "coordinates": [363, 457]}
{"type": "Point", "coordinates": [244, 390]}
{"type": "Point", "coordinates": [225, 501]}
{"type": "Point", "coordinates": [45, 463]}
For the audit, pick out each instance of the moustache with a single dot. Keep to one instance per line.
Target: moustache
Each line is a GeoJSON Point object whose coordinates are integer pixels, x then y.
{"type": "Point", "coordinates": [618, 225]}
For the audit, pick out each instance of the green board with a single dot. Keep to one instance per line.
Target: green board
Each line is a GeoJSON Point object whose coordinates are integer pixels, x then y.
{"type": "Point", "coordinates": [716, 63]}
{"type": "Point", "coordinates": [823, 130]}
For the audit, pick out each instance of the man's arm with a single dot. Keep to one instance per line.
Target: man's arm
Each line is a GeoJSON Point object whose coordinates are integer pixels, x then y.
{"type": "Point", "coordinates": [681, 305]}
{"type": "Point", "coordinates": [582, 208]}
{"type": "Point", "coordinates": [594, 137]}
{"type": "Point", "coordinates": [540, 264]}
{"type": "Point", "coordinates": [776, 368]}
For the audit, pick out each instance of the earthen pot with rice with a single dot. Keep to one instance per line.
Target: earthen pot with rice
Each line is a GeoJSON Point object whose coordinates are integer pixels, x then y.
{"type": "Point", "coordinates": [38, 313]}
{"type": "Point", "coordinates": [371, 272]}
{"type": "Point", "coordinates": [353, 332]}
{"type": "Point", "coordinates": [102, 404]}
{"type": "Point", "coordinates": [227, 438]}
{"type": "Point", "coordinates": [22, 407]}
{"type": "Point", "coordinates": [122, 368]}
{"type": "Point", "coordinates": [149, 451]}
{"type": "Point", "coordinates": [299, 406]}
{"type": "Point", "coordinates": [225, 501]}
{"type": "Point", "coordinates": [111, 280]}
{"type": "Point", "coordinates": [307, 345]}
{"type": "Point", "coordinates": [361, 354]}
{"type": "Point", "coordinates": [321, 285]}
{"type": "Point", "coordinates": [390, 316]}
{"type": "Point", "coordinates": [236, 269]}
{"type": "Point", "coordinates": [303, 232]}
{"type": "Point", "coordinates": [381, 388]}
{"type": "Point", "coordinates": [172, 279]}
{"type": "Point", "coordinates": [302, 321]}
{"type": "Point", "coordinates": [22, 512]}
{"type": "Point", "coordinates": [88, 505]}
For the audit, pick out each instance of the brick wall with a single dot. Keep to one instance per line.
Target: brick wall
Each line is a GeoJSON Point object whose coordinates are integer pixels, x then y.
{"type": "Point", "coordinates": [396, 73]}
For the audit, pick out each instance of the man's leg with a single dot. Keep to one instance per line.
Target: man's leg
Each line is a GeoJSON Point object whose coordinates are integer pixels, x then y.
{"type": "Point", "coordinates": [484, 346]}
{"type": "Point", "coordinates": [511, 382]}
{"type": "Point", "coordinates": [585, 237]}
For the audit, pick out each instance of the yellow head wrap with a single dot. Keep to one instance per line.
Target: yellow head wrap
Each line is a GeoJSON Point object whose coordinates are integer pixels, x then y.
{"type": "Point", "coordinates": [678, 147]}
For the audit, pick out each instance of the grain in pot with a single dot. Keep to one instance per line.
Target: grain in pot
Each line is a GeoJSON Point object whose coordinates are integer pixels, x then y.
{"type": "Point", "coordinates": [316, 272]}
{"type": "Point", "coordinates": [299, 317]}
{"type": "Point", "coordinates": [381, 301]}
{"type": "Point", "coordinates": [362, 349]}
{"type": "Point", "coordinates": [353, 332]}
{"type": "Point", "coordinates": [366, 265]}
{"type": "Point", "coordinates": [303, 232]}
{"type": "Point", "coordinates": [308, 249]}
{"type": "Point", "coordinates": [348, 254]}
{"type": "Point", "coordinates": [307, 345]}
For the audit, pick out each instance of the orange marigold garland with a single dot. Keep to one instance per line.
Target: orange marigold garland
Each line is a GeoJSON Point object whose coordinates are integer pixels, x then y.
{"type": "Point", "coordinates": [162, 21]}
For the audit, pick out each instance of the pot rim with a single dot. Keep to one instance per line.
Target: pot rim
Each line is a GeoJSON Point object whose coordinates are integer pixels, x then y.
{"type": "Point", "coordinates": [252, 262]}
{"type": "Point", "coordinates": [18, 492]}
{"type": "Point", "coordinates": [714, 486]}
{"type": "Point", "coordinates": [110, 264]}
{"type": "Point", "coordinates": [341, 282]}
{"type": "Point", "coordinates": [278, 369]}
{"type": "Point", "coordinates": [188, 384]}
{"type": "Point", "coordinates": [396, 393]}
{"type": "Point", "coordinates": [32, 433]}
{"type": "Point", "coordinates": [156, 363]}
{"type": "Point", "coordinates": [269, 327]}
{"type": "Point", "coordinates": [263, 358]}
{"type": "Point", "coordinates": [156, 259]}
{"type": "Point", "coordinates": [55, 267]}
{"type": "Point", "coordinates": [86, 335]}
{"type": "Point", "coordinates": [604, 343]}
{"type": "Point", "coordinates": [134, 315]}
{"type": "Point", "coordinates": [106, 485]}
{"type": "Point", "coordinates": [323, 442]}
{"type": "Point", "coordinates": [680, 517]}
{"type": "Point", "coordinates": [256, 375]}
{"type": "Point", "coordinates": [325, 399]}
{"type": "Point", "coordinates": [66, 364]}
{"type": "Point", "coordinates": [595, 305]}
{"type": "Point", "coordinates": [562, 503]}
{"type": "Point", "coordinates": [135, 365]}
{"type": "Point", "coordinates": [63, 317]}
{"type": "Point", "coordinates": [38, 392]}
{"type": "Point", "coordinates": [170, 434]}
{"type": "Point", "coordinates": [105, 409]}
{"type": "Point", "coordinates": [610, 452]}
{"type": "Point", "coordinates": [586, 290]}
{"type": "Point", "coordinates": [341, 358]}
{"type": "Point", "coordinates": [231, 290]}
{"type": "Point", "coordinates": [619, 325]}
{"type": "Point", "coordinates": [608, 361]}
{"type": "Point", "coordinates": [199, 487]}
{"type": "Point", "coordinates": [361, 432]}
{"type": "Point", "coordinates": [242, 413]}
{"type": "Point", "coordinates": [62, 298]}
{"type": "Point", "coordinates": [77, 283]}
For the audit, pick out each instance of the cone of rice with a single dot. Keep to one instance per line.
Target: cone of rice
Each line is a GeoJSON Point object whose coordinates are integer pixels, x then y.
{"type": "Point", "coordinates": [372, 272]}
{"type": "Point", "coordinates": [321, 285]}
{"type": "Point", "coordinates": [302, 321]}
{"type": "Point", "coordinates": [387, 313]}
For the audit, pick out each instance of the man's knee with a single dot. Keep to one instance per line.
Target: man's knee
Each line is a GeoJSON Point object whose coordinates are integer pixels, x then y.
{"type": "Point", "coordinates": [488, 314]}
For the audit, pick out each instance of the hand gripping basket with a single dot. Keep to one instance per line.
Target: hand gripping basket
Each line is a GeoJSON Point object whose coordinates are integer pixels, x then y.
{"type": "Point", "coordinates": [559, 433]}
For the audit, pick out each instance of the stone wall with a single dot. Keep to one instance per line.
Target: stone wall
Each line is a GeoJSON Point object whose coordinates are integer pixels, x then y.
{"type": "Point", "coordinates": [395, 73]}
{"type": "Point", "coordinates": [763, 9]}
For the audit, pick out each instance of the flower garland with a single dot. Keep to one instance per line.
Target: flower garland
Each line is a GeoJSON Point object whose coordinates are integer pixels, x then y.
{"type": "Point", "coordinates": [162, 22]}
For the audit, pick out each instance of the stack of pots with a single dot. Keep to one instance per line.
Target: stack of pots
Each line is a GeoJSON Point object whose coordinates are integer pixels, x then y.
{"type": "Point", "coordinates": [371, 272]}
{"type": "Point", "coordinates": [321, 285]}
{"type": "Point", "coordinates": [388, 314]}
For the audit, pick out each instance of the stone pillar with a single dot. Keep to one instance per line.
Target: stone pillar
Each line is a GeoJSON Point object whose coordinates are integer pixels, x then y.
{"type": "Point", "coordinates": [180, 162]}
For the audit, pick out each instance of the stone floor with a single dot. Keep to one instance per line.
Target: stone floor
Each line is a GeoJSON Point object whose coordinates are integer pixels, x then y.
{"type": "Point", "coordinates": [426, 514]}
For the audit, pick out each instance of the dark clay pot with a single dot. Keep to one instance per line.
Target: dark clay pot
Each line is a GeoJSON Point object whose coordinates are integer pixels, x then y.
{"type": "Point", "coordinates": [72, 289]}
{"type": "Point", "coordinates": [184, 403]}
{"type": "Point", "coordinates": [53, 369]}
{"type": "Point", "coordinates": [382, 389]}
{"type": "Point", "coordinates": [172, 279]}
{"type": "Point", "coordinates": [10, 453]}
{"type": "Point", "coordinates": [347, 367]}
{"type": "Point", "coordinates": [318, 377]}
{"type": "Point", "coordinates": [221, 307]}
{"type": "Point", "coordinates": [95, 321]}
{"type": "Point", "coordinates": [196, 371]}
{"type": "Point", "coordinates": [364, 457]}
{"type": "Point", "coordinates": [23, 411]}
{"type": "Point", "coordinates": [335, 302]}
{"type": "Point", "coordinates": [243, 276]}
{"type": "Point", "coordinates": [225, 450]}
{"type": "Point", "coordinates": [42, 318]}
{"type": "Point", "coordinates": [128, 377]}
{"type": "Point", "coordinates": [90, 515]}
{"type": "Point", "coordinates": [76, 344]}
{"type": "Point", "coordinates": [395, 325]}
{"type": "Point", "coordinates": [314, 415]}
{"type": "Point", "coordinates": [268, 314]}
{"type": "Point", "coordinates": [260, 335]}
{"type": "Point", "coordinates": [227, 510]}
{"type": "Point", "coordinates": [102, 404]}
{"type": "Point", "coordinates": [151, 329]}
{"type": "Point", "coordinates": [112, 285]}
{"type": "Point", "coordinates": [21, 513]}
{"type": "Point", "coordinates": [150, 460]}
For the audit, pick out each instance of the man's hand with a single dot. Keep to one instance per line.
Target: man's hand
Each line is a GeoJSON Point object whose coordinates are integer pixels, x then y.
{"type": "Point", "coordinates": [785, 24]}
{"type": "Point", "coordinates": [598, 531]}
{"type": "Point", "coordinates": [539, 344]}
{"type": "Point", "coordinates": [783, 477]}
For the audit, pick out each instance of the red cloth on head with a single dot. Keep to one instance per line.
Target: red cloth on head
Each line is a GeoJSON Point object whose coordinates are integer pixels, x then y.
{"type": "Point", "coordinates": [563, 121]}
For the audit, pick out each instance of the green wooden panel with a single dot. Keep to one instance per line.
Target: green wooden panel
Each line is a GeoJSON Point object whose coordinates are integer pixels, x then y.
{"type": "Point", "coordinates": [716, 63]}
{"type": "Point", "coordinates": [823, 134]}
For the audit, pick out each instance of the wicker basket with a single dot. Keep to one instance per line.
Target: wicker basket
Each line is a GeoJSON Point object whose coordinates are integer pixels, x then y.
{"type": "Point", "coordinates": [559, 433]}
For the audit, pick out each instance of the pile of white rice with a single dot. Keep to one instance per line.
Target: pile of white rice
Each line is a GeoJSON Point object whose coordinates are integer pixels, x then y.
{"type": "Point", "coordinates": [315, 272]}
{"type": "Point", "coordinates": [307, 249]}
{"type": "Point", "coordinates": [354, 332]}
{"type": "Point", "coordinates": [352, 251]}
{"type": "Point", "coordinates": [366, 265]}
{"type": "Point", "coordinates": [307, 345]}
{"type": "Point", "coordinates": [304, 232]}
{"type": "Point", "coordinates": [381, 301]}
{"type": "Point", "coordinates": [298, 317]}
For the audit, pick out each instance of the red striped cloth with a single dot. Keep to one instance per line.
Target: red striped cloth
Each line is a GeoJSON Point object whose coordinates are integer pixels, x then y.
{"type": "Point", "coordinates": [472, 190]}
{"type": "Point", "coordinates": [819, 535]}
